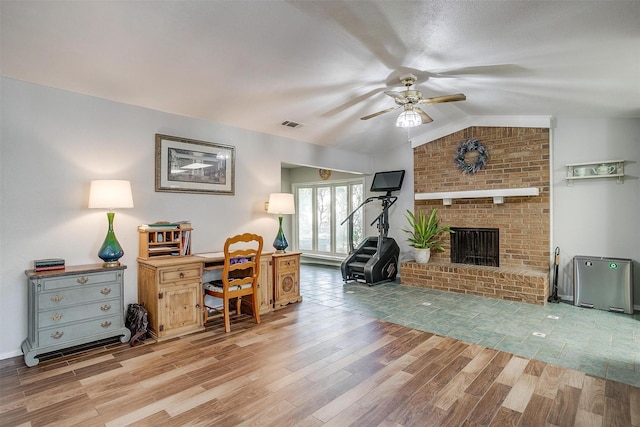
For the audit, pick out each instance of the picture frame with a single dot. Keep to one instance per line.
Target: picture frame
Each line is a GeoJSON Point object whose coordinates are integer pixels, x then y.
{"type": "Point", "coordinates": [191, 166]}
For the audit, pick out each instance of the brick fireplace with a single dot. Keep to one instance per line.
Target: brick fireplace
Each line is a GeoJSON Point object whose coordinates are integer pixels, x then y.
{"type": "Point", "coordinates": [517, 158]}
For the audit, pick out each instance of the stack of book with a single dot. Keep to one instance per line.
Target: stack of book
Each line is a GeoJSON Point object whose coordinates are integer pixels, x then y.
{"type": "Point", "coordinates": [166, 225]}
{"type": "Point", "coordinates": [48, 264]}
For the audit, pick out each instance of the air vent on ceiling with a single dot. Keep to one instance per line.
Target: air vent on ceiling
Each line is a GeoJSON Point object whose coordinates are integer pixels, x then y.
{"type": "Point", "coordinates": [291, 124]}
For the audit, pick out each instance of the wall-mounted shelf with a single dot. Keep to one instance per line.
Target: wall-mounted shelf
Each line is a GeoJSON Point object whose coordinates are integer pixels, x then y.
{"type": "Point", "coordinates": [592, 170]}
{"type": "Point", "coordinates": [497, 194]}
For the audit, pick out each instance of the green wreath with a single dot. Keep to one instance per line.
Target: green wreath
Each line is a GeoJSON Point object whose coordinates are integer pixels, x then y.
{"type": "Point", "coordinates": [471, 145]}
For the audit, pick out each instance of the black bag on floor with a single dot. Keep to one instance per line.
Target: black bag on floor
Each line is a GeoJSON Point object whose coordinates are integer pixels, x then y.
{"type": "Point", "coordinates": [137, 322]}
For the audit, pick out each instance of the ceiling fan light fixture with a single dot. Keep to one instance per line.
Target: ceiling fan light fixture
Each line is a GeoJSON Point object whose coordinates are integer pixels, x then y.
{"type": "Point", "coordinates": [408, 119]}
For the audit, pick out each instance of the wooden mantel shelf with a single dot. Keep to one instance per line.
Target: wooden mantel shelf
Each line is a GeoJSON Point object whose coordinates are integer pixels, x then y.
{"type": "Point", "coordinates": [497, 194]}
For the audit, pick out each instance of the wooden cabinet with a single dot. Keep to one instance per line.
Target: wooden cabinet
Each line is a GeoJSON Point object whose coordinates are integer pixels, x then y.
{"type": "Point", "coordinates": [171, 289]}
{"type": "Point", "coordinates": [74, 306]}
{"type": "Point", "coordinates": [286, 279]}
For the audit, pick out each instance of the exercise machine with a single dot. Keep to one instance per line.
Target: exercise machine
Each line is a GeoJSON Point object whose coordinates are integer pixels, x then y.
{"type": "Point", "coordinates": [375, 260]}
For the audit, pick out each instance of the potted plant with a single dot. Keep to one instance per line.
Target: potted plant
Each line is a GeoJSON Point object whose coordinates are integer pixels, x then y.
{"type": "Point", "coordinates": [425, 233]}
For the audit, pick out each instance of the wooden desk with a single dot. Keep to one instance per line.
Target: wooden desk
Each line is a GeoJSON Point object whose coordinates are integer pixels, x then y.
{"type": "Point", "coordinates": [171, 289]}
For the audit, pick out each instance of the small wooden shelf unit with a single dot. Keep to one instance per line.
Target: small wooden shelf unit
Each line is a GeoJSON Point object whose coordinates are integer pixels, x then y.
{"type": "Point", "coordinates": [164, 241]}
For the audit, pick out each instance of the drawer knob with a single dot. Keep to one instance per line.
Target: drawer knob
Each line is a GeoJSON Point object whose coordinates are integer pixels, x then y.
{"type": "Point", "coordinates": [105, 307]}
{"type": "Point", "coordinates": [105, 324]}
{"type": "Point", "coordinates": [182, 275]}
{"type": "Point", "coordinates": [56, 317]}
{"type": "Point", "coordinates": [57, 298]}
{"type": "Point", "coordinates": [105, 291]}
{"type": "Point", "coordinates": [57, 335]}
{"type": "Point", "coordinates": [82, 280]}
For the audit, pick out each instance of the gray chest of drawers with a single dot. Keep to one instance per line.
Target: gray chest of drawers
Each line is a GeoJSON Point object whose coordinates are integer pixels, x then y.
{"type": "Point", "coordinates": [73, 306]}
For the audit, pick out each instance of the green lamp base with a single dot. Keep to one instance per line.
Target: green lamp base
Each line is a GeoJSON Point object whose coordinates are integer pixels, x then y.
{"type": "Point", "coordinates": [110, 251]}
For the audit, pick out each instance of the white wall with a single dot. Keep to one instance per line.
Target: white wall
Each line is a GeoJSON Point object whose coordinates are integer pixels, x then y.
{"type": "Point", "coordinates": [53, 143]}
{"type": "Point", "coordinates": [306, 174]}
{"type": "Point", "coordinates": [399, 156]}
{"type": "Point", "coordinates": [596, 217]}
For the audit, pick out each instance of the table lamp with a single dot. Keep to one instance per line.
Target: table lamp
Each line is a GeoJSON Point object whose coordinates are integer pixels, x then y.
{"type": "Point", "coordinates": [281, 204]}
{"type": "Point", "coordinates": [110, 194]}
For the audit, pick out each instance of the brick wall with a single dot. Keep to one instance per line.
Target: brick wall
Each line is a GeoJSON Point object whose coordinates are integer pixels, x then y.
{"type": "Point", "coordinates": [517, 157]}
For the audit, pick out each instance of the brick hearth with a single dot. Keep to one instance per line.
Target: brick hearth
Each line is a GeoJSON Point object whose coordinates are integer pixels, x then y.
{"type": "Point", "coordinates": [494, 282]}
{"type": "Point", "coordinates": [518, 157]}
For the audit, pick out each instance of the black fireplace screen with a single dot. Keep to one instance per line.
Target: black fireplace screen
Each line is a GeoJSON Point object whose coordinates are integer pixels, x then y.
{"type": "Point", "coordinates": [478, 246]}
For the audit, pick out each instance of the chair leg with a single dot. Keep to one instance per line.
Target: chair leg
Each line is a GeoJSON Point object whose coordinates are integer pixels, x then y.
{"type": "Point", "coordinates": [227, 320]}
{"type": "Point", "coordinates": [238, 303]}
{"type": "Point", "coordinates": [256, 308]}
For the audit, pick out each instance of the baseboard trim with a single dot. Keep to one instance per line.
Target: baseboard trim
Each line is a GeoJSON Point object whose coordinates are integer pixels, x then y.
{"type": "Point", "coordinates": [321, 259]}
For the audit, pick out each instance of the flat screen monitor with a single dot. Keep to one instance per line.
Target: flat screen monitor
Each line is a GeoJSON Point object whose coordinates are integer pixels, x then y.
{"type": "Point", "coordinates": [387, 181]}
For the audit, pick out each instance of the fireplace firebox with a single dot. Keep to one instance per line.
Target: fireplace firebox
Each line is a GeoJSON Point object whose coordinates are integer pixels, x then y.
{"type": "Point", "coordinates": [477, 246]}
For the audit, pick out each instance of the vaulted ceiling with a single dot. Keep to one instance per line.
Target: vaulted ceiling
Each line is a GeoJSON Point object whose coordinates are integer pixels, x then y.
{"type": "Point", "coordinates": [324, 64]}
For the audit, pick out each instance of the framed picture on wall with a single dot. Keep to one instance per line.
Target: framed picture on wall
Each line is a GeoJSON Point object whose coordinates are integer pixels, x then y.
{"type": "Point", "coordinates": [191, 166]}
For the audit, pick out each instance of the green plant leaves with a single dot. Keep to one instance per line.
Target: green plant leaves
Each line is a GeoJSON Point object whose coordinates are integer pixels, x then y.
{"type": "Point", "coordinates": [425, 232]}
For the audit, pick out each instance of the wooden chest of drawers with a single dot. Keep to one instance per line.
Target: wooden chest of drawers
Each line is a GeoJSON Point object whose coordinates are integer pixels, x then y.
{"type": "Point", "coordinates": [73, 306]}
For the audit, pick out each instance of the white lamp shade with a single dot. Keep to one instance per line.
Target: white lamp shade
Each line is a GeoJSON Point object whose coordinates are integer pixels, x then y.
{"type": "Point", "coordinates": [110, 194]}
{"type": "Point", "coordinates": [281, 204]}
{"type": "Point", "coordinates": [408, 119]}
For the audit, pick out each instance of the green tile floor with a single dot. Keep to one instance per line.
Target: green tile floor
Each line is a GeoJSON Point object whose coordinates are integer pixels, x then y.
{"type": "Point", "coordinates": [596, 342]}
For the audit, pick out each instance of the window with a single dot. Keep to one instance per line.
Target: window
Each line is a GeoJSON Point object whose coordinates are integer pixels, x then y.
{"type": "Point", "coordinates": [321, 208]}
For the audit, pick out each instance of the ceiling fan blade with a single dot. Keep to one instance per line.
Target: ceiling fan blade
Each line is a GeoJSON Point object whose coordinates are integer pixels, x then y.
{"type": "Point", "coordinates": [397, 96]}
{"type": "Point", "coordinates": [370, 116]}
{"type": "Point", "coordinates": [394, 78]}
{"type": "Point", "coordinates": [444, 98]}
{"type": "Point", "coordinates": [487, 70]}
{"type": "Point", "coordinates": [425, 117]}
{"type": "Point", "coordinates": [352, 102]}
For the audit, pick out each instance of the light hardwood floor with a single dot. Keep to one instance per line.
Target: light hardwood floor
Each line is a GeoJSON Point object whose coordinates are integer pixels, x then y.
{"type": "Point", "coordinates": [307, 365]}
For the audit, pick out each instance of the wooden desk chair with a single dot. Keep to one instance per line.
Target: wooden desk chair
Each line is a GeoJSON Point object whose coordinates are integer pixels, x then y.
{"type": "Point", "coordinates": [239, 276]}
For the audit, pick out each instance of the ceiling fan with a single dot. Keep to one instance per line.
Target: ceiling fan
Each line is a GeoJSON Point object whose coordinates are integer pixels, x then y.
{"type": "Point", "coordinates": [410, 99]}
